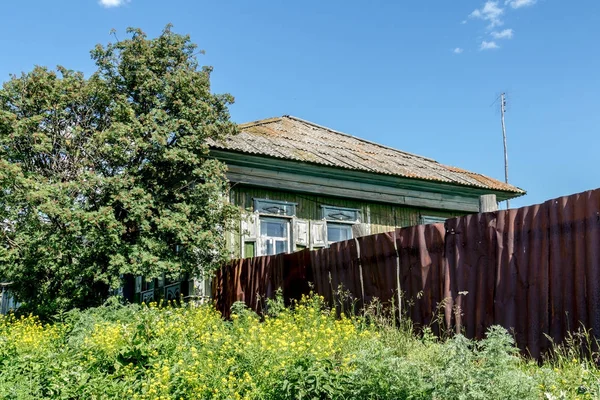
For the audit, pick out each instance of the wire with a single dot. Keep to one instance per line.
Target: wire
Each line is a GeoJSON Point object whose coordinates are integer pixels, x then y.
{"type": "Point", "coordinates": [495, 101]}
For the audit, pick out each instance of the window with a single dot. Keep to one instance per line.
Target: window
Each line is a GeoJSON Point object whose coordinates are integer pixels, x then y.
{"type": "Point", "coordinates": [338, 232]}
{"type": "Point", "coordinates": [272, 228]}
{"type": "Point", "coordinates": [428, 219]}
{"type": "Point", "coordinates": [274, 236]}
{"type": "Point", "coordinates": [339, 222]}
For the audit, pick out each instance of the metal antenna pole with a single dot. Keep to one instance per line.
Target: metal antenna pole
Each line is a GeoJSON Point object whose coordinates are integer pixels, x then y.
{"type": "Point", "coordinates": [502, 110]}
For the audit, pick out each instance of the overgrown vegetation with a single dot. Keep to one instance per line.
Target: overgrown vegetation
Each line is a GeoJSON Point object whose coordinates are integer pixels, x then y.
{"type": "Point", "coordinates": [304, 352]}
{"type": "Point", "coordinates": [109, 175]}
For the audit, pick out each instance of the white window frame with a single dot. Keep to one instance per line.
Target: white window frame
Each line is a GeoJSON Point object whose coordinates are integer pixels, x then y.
{"type": "Point", "coordinates": [283, 211]}
{"type": "Point", "coordinates": [274, 239]}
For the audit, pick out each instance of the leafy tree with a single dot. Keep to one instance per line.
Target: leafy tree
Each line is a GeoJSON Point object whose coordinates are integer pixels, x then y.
{"type": "Point", "coordinates": [110, 175]}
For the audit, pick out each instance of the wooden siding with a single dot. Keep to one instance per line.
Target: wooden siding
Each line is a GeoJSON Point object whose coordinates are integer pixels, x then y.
{"type": "Point", "coordinates": [380, 216]}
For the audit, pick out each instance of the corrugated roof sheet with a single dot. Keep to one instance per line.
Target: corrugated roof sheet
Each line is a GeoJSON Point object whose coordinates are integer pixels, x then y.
{"type": "Point", "coordinates": [292, 138]}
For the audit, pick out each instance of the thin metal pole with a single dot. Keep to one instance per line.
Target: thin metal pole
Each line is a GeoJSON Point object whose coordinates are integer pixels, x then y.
{"type": "Point", "coordinates": [502, 110]}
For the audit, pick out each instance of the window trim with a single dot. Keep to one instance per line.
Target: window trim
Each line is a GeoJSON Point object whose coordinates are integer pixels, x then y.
{"type": "Point", "coordinates": [327, 215]}
{"type": "Point", "coordinates": [274, 203]}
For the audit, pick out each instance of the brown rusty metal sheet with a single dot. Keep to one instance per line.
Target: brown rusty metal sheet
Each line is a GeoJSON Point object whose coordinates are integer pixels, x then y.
{"type": "Point", "coordinates": [421, 251]}
{"type": "Point", "coordinates": [574, 225]}
{"type": "Point", "coordinates": [378, 262]}
{"type": "Point", "coordinates": [534, 270]}
{"type": "Point", "coordinates": [336, 268]}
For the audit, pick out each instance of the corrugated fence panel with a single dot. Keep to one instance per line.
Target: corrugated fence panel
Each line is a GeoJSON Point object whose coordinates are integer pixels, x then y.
{"type": "Point", "coordinates": [506, 277]}
{"type": "Point", "coordinates": [531, 261]}
{"type": "Point", "coordinates": [378, 261]}
{"type": "Point", "coordinates": [337, 268]}
{"type": "Point", "coordinates": [574, 263]}
{"type": "Point", "coordinates": [321, 275]}
{"type": "Point", "coordinates": [421, 251]}
{"type": "Point", "coordinates": [592, 259]}
{"type": "Point", "coordinates": [471, 248]}
{"type": "Point", "coordinates": [534, 270]}
{"type": "Point", "coordinates": [297, 273]}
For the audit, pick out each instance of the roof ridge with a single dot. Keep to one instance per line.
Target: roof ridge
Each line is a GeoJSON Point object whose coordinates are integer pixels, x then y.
{"type": "Point", "coordinates": [259, 122]}
{"type": "Point", "coordinates": [353, 137]}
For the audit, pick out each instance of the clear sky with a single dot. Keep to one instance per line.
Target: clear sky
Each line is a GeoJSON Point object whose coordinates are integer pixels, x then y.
{"type": "Point", "coordinates": [420, 76]}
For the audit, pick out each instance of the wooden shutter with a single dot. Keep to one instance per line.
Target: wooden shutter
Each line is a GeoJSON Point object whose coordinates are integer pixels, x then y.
{"type": "Point", "coordinates": [359, 230]}
{"type": "Point", "coordinates": [249, 229]}
{"type": "Point", "coordinates": [249, 226]}
{"type": "Point", "coordinates": [301, 232]}
{"type": "Point", "coordinates": [318, 234]}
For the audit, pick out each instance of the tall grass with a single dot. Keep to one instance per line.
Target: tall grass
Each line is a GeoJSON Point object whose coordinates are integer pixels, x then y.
{"type": "Point", "coordinates": [302, 352]}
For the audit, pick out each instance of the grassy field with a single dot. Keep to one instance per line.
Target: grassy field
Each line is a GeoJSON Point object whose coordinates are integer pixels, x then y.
{"type": "Point", "coordinates": [151, 352]}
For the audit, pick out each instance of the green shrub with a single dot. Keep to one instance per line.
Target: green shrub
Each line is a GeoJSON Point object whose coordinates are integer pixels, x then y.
{"type": "Point", "coordinates": [303, 352]}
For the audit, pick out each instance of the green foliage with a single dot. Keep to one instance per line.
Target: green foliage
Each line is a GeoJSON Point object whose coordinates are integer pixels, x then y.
{"type": "Point", "coordinates": [168, 352]}
{"type": "Point", "coordinates": [110, 175]}
{"type": "Point", "coordinates": [482, 370]}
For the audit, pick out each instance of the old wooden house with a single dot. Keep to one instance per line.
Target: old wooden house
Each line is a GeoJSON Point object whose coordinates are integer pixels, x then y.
{"type": "Point", "coordinates": [304, 185]}
{"type": "Point", "coordinates": [301, 185]}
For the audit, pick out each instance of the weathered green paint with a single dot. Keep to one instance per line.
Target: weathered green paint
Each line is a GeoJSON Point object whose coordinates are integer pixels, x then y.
{"type": "Point", "coordinates": [380, 216]}
{"type": "Point", "coordinates": [385, 201]}
{"type": "Point", "coordinates": [249, 249]}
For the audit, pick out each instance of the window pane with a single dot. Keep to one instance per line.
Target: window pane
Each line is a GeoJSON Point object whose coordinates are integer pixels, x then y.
{"type": "Point", "coordinates": [346, 233]}
{"type": "Point", "coordinates": [269, 247]}
{"type": "Point", "coordinates": [338, 232]}
{"type": "Point", "coordinates": [273, 228]}
{"type": "Point", "coordinates": [273, 246]}
{"type": "Point", "coordinates": [280, 246]}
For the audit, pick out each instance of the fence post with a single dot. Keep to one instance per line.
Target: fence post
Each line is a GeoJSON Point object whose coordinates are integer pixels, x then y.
{"type": "Point", "coordinates": [398, 278]}
{"type": "Point", "coordinates": [362, 284]}
{"type": "Point", "coordinates": [488, 203]}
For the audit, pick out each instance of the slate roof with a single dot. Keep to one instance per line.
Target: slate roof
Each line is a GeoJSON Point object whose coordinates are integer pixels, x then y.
{"type": "Point", "coordinates": [291, 138]}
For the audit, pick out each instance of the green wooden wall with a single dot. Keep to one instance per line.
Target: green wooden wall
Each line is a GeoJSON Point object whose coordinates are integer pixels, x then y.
{"type": "Point", "coordinates": [381, 217]}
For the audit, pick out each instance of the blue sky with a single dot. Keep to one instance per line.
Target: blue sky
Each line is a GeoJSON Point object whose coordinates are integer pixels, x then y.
{"type": "Point", "coordinates": [418, 76]}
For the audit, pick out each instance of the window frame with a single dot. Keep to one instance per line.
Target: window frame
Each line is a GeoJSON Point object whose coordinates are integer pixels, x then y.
{"type": "Point", "coordinates": [328, 215]}
{"type": "Point", "coordinates": [262, 238]}
{"type": "Point", "coordinates": [279, 210]}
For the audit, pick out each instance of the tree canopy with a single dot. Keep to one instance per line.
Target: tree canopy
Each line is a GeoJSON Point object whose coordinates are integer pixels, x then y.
{"type": "Point", "coordinates": [111, 175]}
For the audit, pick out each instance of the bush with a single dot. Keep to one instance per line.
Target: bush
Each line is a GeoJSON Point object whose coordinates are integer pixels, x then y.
{"type": "Point", "coordinates": [303, 352]}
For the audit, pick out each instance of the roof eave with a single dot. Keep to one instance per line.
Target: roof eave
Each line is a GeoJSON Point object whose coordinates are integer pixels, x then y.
{"type": "Point", "coordinates": [365, 176]}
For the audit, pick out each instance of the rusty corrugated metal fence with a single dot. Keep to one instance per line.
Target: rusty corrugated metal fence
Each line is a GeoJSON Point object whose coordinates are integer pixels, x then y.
{"type": "Point", "coordinates": [534, 270]}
